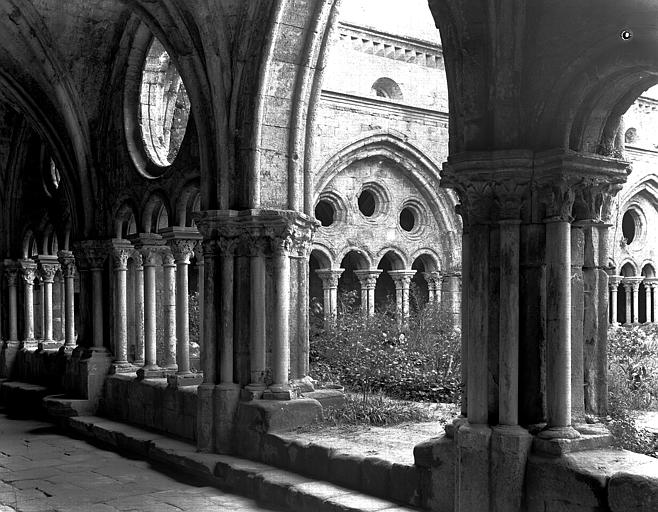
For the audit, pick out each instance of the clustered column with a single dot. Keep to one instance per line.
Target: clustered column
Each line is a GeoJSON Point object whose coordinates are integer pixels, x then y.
{"type": "Point", "coordinates": [11, 273]}
{"type": "Point", "coordinates": [402, 280]}
{"type": "Point", "coordinates": [434, 281]}
{"type": "Point", "coordinates": [368, 280]}
{"type": "Point", "coordinates": [121, 251]}
{"type": "Point", "coordinates": [613, 285]}
{"type": "Point", "coordinates": [48, 266]}
{"type": "Point", "coordinates": [330, 279]}
{"type": "Point", "coordinates": [28, 272]}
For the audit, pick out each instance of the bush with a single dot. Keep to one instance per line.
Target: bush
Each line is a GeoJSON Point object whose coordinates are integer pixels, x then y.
{"type": "Point", "coordinates": [632, 384]}
{"type": "Point", "coordinates": [419, 361]}
{"type": "Point", "coordinates": [375, 410]}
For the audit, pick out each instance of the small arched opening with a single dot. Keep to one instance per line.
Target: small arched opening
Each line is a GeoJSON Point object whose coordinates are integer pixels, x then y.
{"type": "Point", "coordinates": [349, 286]}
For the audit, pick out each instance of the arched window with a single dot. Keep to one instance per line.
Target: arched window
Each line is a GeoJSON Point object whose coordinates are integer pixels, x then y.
{"type": "Point", "coordinates": [387, 88]}
{"type": "Point", "coordinates": [164, 106]}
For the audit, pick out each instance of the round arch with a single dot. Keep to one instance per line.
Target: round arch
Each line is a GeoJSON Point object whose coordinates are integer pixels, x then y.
{"type": "Point", "coordinates": [155, 209]}
{"type": "Point", "coordinates": [628, 269]}
{"type": "Point", "coordinates": [395, 255]}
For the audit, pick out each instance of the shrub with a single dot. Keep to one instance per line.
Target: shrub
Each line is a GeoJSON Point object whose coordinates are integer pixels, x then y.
{"type": "Point", "coordinates": [419, 361]}
{"type": "Point", "coordinates": [375, 410]}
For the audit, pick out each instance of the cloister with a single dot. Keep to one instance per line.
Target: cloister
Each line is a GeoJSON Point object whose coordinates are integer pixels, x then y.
{"type": "Point", "coordinates": [153, 154]}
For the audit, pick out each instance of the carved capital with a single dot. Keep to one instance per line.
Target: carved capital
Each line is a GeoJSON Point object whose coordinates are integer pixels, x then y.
{"type": "Point", "coordinates": [402, 278]}
{"type": "Point", "coordinates": [47, 271]}
{"type": "Point", "coordinates": [368, 278]}
{"type": "Point", "coordinates": [91, 253]}
{"type": "Point", "coordinates": [433, 279]}
{"type": "Point", "coordinates": [182, 249]}
{"type": "Point", "coordinates": [168, 259]}
{"type": "Point", "coordinates": [11, 274]}
{"type": "Point", "coordinates": [151, 255]}
{"type": "Point", "coordinates": [120, 258]}
{"type": "Point", "coordinates": [557, 195]}
{"type": "Point", "coordinates": [28, 270]}
{"type": "Point", "coordinates": [67, 263]}
{"type": "Point", "coordinates": [329, 277]}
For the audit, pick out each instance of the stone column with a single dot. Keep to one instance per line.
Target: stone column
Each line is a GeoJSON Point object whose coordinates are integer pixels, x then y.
{"type": "Point", "coordinates": [48, 266]}
{"type": "Point", "coordinates": [67, 261]}
{"type": "Point", "coordinates": [613, 285]}
{"type": "Point", "coordinates": [330, 279]}
{"type": "Point", "coordinates": [28, 272]}
{"type": "Point", "coordinates": [11, 273]}
{"type": "Point", "coordinates": [434, 281]}
{"type": "Point", "coordinates": [257, 314]}
{"type": "Point", "coordinates": [169, 306]}
{"type": "Point", "coordinates": [198, 254]}
{"type": "Point", "coordinates": [368, 280]}
{"type": "Point", "coordinates": [628, 312]}
{"type": "Point", "coordinates": [150, 246]}
{"type": "Point", "coordinates": [451, 291]}
{"type": "Point", "coordinates": [402, 280]}
{"type": "Point", "coordinates": [139, 308]}
{"type": "Point", "coordinates": [96, 261]}
{"type": "Point", "coordinates": [62, 306]}
{"type": "Point", "coordinates": [181, 242]}
{"type": "Point", "coordinates": [636, 299]}
{"type": "Point", "coordinates": [558, 318]}
{"type": "Point", "coordinates": [280, 387]}
{"type": "Point", "coordinates": [652, 283]}
{"type": "Point", "coordinates": [508, 408]}
{"type": "Point", "coordinates": [121, 251]}
{"type": "Point", "coordinates": [647, 300]}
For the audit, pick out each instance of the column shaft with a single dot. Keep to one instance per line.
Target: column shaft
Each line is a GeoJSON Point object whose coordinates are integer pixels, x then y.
{"type": "Point", "coordinates": [655, 303]}
{"type": "Point", "coordinates": [647, 305]}
{"type": "Point", "coordinates": [209, 347]}
{"type": "Point", "coordinates": [139, 313]}
{"type": "Point", "coordinates": [121, 312]}
{"type": "Point", "coordinates": [97, 305]}
{"type": "Point", "coordinates": [150, 349]}
{"type": "Point", "coordinates": [629, 297]}
{"type": "Point", "coordinates": [281, 340]}
{"type": "Point", "coordinates": [47, 310]}
{"type": "Point", "coordinates": [636, 303]}
{"type": "Point", "coordinates": [226, 348]}
{"type": "Point", "coordinates": [169, 278]}
{"type": "Point", "coordinates": [182, 318]}
{"type": "Point", "coordinates": [558, 327]}
{"type": "Point", "coordinates": [508, 360]}
{"type": "Point", "coordinates": [257, 323]}
{"type": "Point", "coordinates": [13, 310]}
{"type": "Point", "coordinates": [613, 304]}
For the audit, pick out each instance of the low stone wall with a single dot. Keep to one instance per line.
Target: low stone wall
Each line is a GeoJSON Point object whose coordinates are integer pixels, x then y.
{"type": "Point", "coordinates": [151, 404]}
{"type": "Point", "coordinates": [42, 367]}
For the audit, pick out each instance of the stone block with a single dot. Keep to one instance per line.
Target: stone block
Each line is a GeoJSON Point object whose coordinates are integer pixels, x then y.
{"type": "Point", "coordinates": [376, 476]}
{"type": "Point", "coordinates": [275, 451]}
{"type": "Point", "coordinates": [316, 461]}
{"type": "Point", "coordinates": [635, 489]}
{"type": "Point", "coordinates": [510, 447]}
{"type": "Point", "coordinates": [226, 397]}
{"type": "Point", "coordinates": [472, 470]}
{"type": "Point", "coordinates": [273, 486]}
{"type": "Point", "coordinates": [405, 483]}
{"type": "Point", "coordinates": [328, 398]}
{"type": "Point", "coordinates": [297, 455]}
{"type": "Point", "coordinates": [345, 469]}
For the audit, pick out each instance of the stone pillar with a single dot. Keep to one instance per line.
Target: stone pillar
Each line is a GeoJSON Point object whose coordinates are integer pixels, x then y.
{"type": "Point", "coordinates": [652, 284]}
{"type": "Point", "coordinates": [451, 291]}
{"type": "Point", "coordinates": [280, 387]}
{"type": "Point", "coordinates": [402, 280]}
{"type": "Point", "coordinates": [121, 250]}
{"type": "Point", "coordinates": [48, 266]}
{"type": "Point", "coordinates": [138, 292]}
{"type": "Point", "coordinates": [558, 324]}
{"type": "Point", "coordinates": [584, 309]}
{"type": "Point", "coordinates": [62, 306]}
{"type": "Point", "coordinates": [198, 254]}
{"type": "Point", "coordinates": [150, 246]}
{"type": "Point", "coordinates": [434, 286]}
{"type": "Point", "coordinates": [647, 300]}
{"type": "Point", "coordinates": [67, 261]}
{"type": "Point", "coordinates": [368, 280]}
{"type": "Point", "coordinates": [613, 285]}
{"type": "Point", "coordinates": [257, 317]}
{"type": "Point", "coordinates": [628, 311]}
{"type": "Point", "coordinates": [28, 272]}
{"type": "Point", "coordinates": [330, 279]}
{"type": "Point", "coordinates": [11, 273]}
{"type": "Point", "coordinates": [181, 242]}
{"type": "Point", "coordinates": [636, 300]}
{"type": "Point", "coordinates": [169, 306]}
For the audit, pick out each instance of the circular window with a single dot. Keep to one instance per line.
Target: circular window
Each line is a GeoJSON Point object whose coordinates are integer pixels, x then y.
{"type": "Point", "coordinates": [630, 136]}
{"type": "Point", "coordinates": [407, 219]}
{"type": "Point", "coordinates": [629, 226]}
{"type": "Point", "coordinates": [367, 203]}
{"type": "Point", "coordinates": [164, 106]}
{"type": "Point", "coordinates": [325, 213]}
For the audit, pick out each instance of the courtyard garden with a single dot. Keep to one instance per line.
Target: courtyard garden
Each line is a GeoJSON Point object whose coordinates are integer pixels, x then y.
{"type": "Point", "coordinates": [395, 374]}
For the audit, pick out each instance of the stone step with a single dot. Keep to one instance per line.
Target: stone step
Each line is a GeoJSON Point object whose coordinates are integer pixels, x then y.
{"type": "Point", "coordinates": [23, 398]}
{"type": "Point", "coordinates": [375, 476]}
{"type": "Point", "coordinates": [263, 482]}
{"type": "Point", "coordinates": [62, 406]}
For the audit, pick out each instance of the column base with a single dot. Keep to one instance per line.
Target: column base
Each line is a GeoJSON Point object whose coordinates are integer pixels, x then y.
{"type": "Point", "coordinates": [551, 433]}
{"type": "Point", "coordinates": [151, 372]}
{"type": "Point", "coordinates": [48, 345]}
{"type": "Point", "coordinates": [29, 345]}
{"type": "Point", "coordinates": [122, 367]}
{"type": "Point", "coordinates": [473, 460]}
{"type": "Point", "coordinates": [67, 348]}
{"type": "Point", "coordinates": [8, 357]}
{"type": "Point", "coordinates": [452, 428]}
{"type": "Point", "coordinates": [279, 392]}
{"type": "Point", "coordinates": [599, 438]}
{"type": "Point", "coordinates": [510, 447]}
{"type": "Point", "coordinates": [252, 392]}
{"type": "Point", "coordinates": [185, 379]}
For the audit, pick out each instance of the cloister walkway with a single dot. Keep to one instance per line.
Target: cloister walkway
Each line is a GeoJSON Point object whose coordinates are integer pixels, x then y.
{"type": "Point", "coordinates": [42, 470]}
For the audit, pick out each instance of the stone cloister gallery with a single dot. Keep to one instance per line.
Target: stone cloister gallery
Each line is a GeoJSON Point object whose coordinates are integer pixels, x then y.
{"type": "Point", "coordinates": [258, 155]}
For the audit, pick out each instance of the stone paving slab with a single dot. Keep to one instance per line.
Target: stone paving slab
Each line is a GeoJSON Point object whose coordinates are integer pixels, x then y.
{"type": "Point", "coordinates": [44, 471]}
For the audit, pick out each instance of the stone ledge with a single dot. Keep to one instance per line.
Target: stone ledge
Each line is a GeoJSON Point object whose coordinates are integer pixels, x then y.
{"type": "Point", "coordinates": [558, 447]}
{"type": "Point", "coordinates": [634, 489]}
{"type": "Point", "coordinates": [260, 481]}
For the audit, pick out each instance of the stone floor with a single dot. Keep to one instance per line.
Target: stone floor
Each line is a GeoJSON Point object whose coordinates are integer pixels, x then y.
{"type": "Point", "coordinates": [42, 470]}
